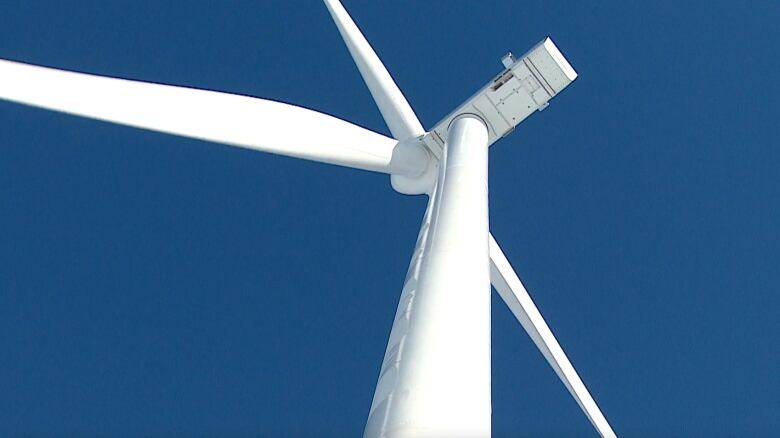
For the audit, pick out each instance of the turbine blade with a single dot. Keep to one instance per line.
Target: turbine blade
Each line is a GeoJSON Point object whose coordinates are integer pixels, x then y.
{"type": "Point", "coordinates": [235, 120]}
{"type": "Point", "coordinates": [512, 291]}
{"type": "Point", "coordinates": [398, 115]}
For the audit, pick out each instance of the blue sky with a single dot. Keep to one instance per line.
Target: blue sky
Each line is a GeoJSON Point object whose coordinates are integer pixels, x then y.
{"type": "Point", "coordinates": [153, 285]}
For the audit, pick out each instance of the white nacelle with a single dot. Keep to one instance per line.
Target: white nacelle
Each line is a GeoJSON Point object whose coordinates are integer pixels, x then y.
{"type": "Point", "coordinates": [525, 86]}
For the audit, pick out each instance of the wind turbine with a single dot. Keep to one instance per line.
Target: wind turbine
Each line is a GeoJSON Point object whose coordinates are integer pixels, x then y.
{"type": "Point", "coordinates": [435, 375]}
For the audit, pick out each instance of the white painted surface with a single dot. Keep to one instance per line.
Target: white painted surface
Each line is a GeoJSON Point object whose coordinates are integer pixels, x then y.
{"type": "Point", "coordinates": [512, 291]}
{"type": "Point", "coordinates": [435, 379]}
{"type": "Point", "coordinates": [235, 120]}
{"type": "Point", "coordinates": [413, 168]}
{"type": "Point", "coordinates": [559, 59]}
{"type": "Point", "coordinates": [398, 115]}
{"type": "Point", "coordinates": [524, 87]}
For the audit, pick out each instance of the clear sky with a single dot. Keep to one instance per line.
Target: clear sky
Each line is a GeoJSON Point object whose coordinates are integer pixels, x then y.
{"type": "Point", "coordinates": [153, 285]}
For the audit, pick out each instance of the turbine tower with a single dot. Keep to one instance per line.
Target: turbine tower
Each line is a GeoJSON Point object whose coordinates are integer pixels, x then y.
{"type": "Point", "coordinates": [435, 375]}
